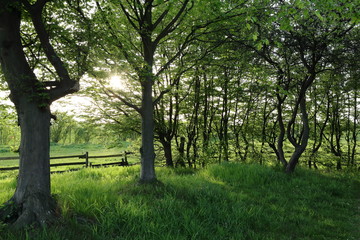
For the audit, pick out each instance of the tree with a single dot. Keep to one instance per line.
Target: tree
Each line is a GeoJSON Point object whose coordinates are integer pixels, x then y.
{"type": "Point", "coordinates": [138, 31]}
{"type": "Point", "coordinates": [167, 114]}
{"type": "Point", "coordinates": [32, 201]}
{"type": "Point", "coordinates": [9, 131]}
{"type": "Point", "coordinates": [61, 127]}
{"type": "Point", "coordinates": [150, 23]}
{"type": "Point", "coordinates": [298, 41]}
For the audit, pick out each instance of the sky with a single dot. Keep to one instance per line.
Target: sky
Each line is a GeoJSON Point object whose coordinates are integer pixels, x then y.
{"type": "Point", "coordinates": [74, 104]}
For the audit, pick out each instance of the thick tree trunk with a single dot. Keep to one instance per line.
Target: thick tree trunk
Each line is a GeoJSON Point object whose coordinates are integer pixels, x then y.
{"type": "Point", "coordinates": [290, 167]}
{"type": "Point", "coordinates": [32, 202]}
{"type": "Point", "coordinates": [147, 172]}
{"type": "Point", "coordinates": [167, 152]}
{"type": "Point", "coordinates": [32, 196]}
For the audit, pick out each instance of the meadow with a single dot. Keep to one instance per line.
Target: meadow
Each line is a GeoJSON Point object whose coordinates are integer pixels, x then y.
{"type": "Point", "coordinates": [222, 201]}
{"type": "Point", "coordinates": [57, 150]}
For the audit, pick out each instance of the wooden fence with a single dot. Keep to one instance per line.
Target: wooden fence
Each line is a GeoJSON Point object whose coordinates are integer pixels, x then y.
{"type": "Point", "coordinates": [85, 162]}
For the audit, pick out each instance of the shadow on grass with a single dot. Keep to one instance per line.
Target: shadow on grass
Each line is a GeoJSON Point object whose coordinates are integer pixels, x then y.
{"type": "Point", "coordinates": [228, 201]}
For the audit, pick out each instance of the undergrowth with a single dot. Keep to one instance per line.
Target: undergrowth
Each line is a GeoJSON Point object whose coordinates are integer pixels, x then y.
{"type": "Point", "coordinates": [227, 201]}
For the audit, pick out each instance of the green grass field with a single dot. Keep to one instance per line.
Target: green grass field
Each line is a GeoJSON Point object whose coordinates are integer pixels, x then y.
{"type": "Point", "coordinates": [75, 149]}
{"type": "Point", "coordinates": [227, 201]}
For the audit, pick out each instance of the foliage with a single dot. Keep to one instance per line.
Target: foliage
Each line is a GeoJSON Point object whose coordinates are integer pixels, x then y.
{"type": "Point", "coordinates": [9, 130]}
{"type": "Point", "coordinates": [242, 62]}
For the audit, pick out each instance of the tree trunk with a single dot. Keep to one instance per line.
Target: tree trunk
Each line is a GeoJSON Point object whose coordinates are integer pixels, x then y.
{"type": "Point", "coordinates": [336, 133]}
{"type": "Point", "coordinates": [188, 149]}
{"type": "Point", "coordinates": [195, 152]}
{"type": "Point", "coordinates": [300, 148]}
{"type": "Point", "coordinates": [181, 149]}
{"type": "Point", "coordinates": [280, 140]}
{"type": "Point", "coordinates": [205, 115]}
{"type": "Point", "coordinates": [147, 172]}
{"type": "Point", "coordinates": [32, 196]}
{"type": "Point", "coordinates": [354, 132]}
{"type": "Point", "coordinates": [290, 167]}
{"type": "Point", "coordinates": [32, 201]}
{"type": "Point", "coordinates": [318, 138]}
{"type": "Point", "coordinates": [167, 152]}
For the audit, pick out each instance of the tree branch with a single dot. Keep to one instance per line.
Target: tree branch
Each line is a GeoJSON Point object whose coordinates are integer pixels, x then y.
{"type": "Point", "coordinates": [129, 17]}
{"type": "Point", "coordinates": [118, 43]}
{"type": "Point", "coordinates": [67, 85]}
{"type": "Point", "coordinates": [170, 26]}
{"type": "Point", "coordinates": [111, 93]}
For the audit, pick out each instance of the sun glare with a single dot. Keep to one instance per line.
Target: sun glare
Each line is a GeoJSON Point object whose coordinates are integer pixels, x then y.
{"type": "Point", "coordinates": [116, 82]}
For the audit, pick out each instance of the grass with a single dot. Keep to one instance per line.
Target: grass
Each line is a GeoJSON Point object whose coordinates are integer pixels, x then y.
{"type": "Point", "coordinates": [228, 201]}
{"type": "Point", "coordinates": [75, 149]}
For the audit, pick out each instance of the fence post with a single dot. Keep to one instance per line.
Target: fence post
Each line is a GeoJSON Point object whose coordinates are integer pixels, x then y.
{"type": "Point", "coordinates": [87, 159]}
{"type": "Point", "coordinates": [125, 156]}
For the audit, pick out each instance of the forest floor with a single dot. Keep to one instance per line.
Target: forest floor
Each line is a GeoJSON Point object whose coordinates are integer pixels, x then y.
{"type": "Point", "coordinates": [226, 201]}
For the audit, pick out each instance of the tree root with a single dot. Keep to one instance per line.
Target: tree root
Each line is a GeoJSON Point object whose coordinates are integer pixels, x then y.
{"type": "Point", "coordinates": [9, 212]}
{"type": "Point", "coordinates": [35, 211]}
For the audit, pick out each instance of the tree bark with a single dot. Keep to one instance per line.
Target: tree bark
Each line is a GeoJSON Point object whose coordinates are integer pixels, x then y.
{"type": "Point", "coordinates": [167, 151]}
{"type": "Point", "coordinates": [181, 159]}
{"type": "Point", "coordinates": [147, 172]}
{"type": "Point", "coordinates": [280, 140]}
{"type": "Point", "coordinates": [354, 132]}
{"type": "Point", "coordinates": [300, 148]}
{"type": "Point", "coordinates": [336, 132]}
{"type": "Point", "coordinates": [33, 194]}
{"type": "Point", "coordinates": [32, 201]}
{"type": "Point", "coordinates": [224, 121]}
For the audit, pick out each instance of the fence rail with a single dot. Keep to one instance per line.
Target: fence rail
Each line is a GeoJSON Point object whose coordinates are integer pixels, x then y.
{"type": "Point", "coordinates": [85, 162]}
{"type": "Point", "coordinates": [8, 158]}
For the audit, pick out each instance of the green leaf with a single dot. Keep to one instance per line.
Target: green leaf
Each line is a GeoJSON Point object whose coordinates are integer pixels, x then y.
{"type": "Point", "coordinates": [258, 45]}
{"type": "Point", "coordinates": [255, 36]}
{"type": "Point", "coordinates": [300, 4]}
{"type": "Point", "coordinates": [285, 26]}
{"type": "Point", "coordinates": [319, 15]}
{"type": "Point", "coordinates": [355, 20]}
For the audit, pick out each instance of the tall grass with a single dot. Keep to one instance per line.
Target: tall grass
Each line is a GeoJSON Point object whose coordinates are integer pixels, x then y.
{"type": "Point", "coordinates": [228, 201]}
